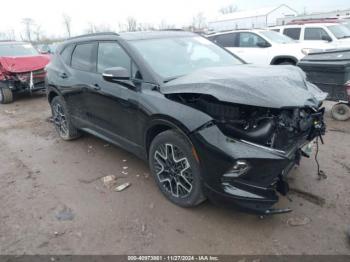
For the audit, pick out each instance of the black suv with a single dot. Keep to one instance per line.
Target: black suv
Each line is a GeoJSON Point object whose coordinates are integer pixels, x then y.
{"type": "Point", "coordinates": [210, 125]}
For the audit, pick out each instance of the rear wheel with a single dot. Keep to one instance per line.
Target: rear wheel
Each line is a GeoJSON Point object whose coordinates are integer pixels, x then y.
{"type": "Point", "coordinates": [341, 111]}
{"type": "Point", "coordinates": [61, 120]}
{"type": "Point", "coordinates": [6, 95]}
{"type": "Point", "coordinates": [175, 169]}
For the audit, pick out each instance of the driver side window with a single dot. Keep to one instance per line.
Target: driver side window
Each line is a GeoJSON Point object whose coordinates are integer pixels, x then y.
{"type": "Point", "coordinates": [247, 39]}
{"type": "Point", "coordinates": [111, 54]}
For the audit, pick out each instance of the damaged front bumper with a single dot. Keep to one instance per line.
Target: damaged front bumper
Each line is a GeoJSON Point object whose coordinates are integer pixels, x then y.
{"type": "Point", "coordinates": [245, 174]}
{"type": "Point", "coordinates": [26, 82]}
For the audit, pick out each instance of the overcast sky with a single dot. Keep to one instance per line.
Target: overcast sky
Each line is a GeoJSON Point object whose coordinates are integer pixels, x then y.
{"type": "Point", "coordinates": [48, 13]}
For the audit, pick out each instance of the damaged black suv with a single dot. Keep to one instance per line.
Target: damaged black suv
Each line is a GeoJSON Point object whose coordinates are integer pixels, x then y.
{"type": "Point", "coordinates": [210, 125]}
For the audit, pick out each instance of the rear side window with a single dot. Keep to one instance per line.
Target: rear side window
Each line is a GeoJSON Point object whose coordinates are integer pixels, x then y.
{"type": "Point", "coordinates": [66, 54]}
{"type": "Point", "coordinates": [314, 33]}
{"type": "Point", "coordinates": [293, 33]}
{"type": "Point", "coordinates": [111, 54]}
{"type": "Point", "coordinates": [227, 40]}
{"type": "Point", "coordinates": [83, 57]}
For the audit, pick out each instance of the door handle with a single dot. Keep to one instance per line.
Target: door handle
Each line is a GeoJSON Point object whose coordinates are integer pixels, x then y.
{"type": "Point", "coordinates": [63, 75]}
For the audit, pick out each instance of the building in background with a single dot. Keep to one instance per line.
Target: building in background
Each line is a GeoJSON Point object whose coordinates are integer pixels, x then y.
{"type": "Point", "coordinates": [332, 14]}
{"type": "Point", "coordinates": [257, 18]}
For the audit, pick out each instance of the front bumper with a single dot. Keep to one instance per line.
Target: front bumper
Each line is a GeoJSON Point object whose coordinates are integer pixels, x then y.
{"type": "Point", "coordinates": [255, 191]}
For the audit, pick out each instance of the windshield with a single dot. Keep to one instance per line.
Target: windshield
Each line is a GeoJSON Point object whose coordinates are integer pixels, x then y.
{"type": "Point", "coordinates": [177, 56]}
{"type": "Point", "coordinates": [17, 50]}
{"type": "Point", "coordinates": [277, 37]}
{"type": "Point", "coordinates": [339, 31]}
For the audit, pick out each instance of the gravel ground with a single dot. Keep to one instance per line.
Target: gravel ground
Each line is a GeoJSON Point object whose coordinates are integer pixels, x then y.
{"type": "Point", "coordinates": [52, 200]}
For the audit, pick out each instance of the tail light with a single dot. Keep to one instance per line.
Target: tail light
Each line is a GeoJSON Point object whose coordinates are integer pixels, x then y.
{"type": "Point", "coordinates": [347, 86]}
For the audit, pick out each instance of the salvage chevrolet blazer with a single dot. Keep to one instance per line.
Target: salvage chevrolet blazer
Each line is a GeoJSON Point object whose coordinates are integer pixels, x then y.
{"type": "Point", "coordinates": [21, 69]}
{"type": "Point", "coordinates": [209, 125]}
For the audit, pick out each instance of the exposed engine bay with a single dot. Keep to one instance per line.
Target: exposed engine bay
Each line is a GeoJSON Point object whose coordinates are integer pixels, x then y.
{"type": "Point", "coordinates": [270, 127]}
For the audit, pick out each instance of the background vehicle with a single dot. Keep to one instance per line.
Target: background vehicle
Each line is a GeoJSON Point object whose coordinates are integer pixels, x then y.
{"type": "Point", "coordinates": [334, 35]}
{"type": "Point", "coordinates": [21, 69]}
{"type": "Point", "coordinates": [262, 47]}
{"type": "Point", "coordinates": [208, 124]}
{"type": "Point", "coordinates": [330, 71]}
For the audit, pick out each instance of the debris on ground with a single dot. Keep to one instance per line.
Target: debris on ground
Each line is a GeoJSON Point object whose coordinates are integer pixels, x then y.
{"type": "Point", "coordinates": [125, 167]}
{"type": "Point", "coordinates": [124, 160]}
{"type": "Point", "coordinates": [90, 148]}
{"type": "Point", "coordinates": [298, 221]}
{"type": "Point", "coordinates": [106, 145]}
{"type": "Point", "coordinates": [57, 234]}
{"type": "Point", "coordinates": [124, 172]}
{"type": "Point", "coordinates": [65, 214]}
{"type": "Point", "coordinates": [320, 201]}
{"type": "Point", "coordinates": [10, 112]}
{"type": "Point", "coordinates": [122, 187]}
{"type": "Point", "coordinates": [109, 181]}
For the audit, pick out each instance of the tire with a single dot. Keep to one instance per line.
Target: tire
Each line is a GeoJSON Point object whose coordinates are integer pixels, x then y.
{"type": "Point", "coordinates": [182, 183]}
{"type": "Point", "coordinates": [286, 63]}
{"type": "Point", "coordinates": [6, 95]}
{"type": "Point", "coordinates": [61, 120]}
{"type": "Point", "coordinates": [341, 111]}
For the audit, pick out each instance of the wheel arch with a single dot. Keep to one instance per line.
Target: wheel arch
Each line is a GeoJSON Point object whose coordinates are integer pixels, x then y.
{"type": "Point", "coordinates": [278, 59]}
{"type": "Point", "coordinates": [160, 124]}
{"type": "Point", "coordinates": [52, 92]}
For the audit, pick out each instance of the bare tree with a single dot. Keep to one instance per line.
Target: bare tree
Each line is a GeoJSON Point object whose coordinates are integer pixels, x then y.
{"type": "Point", "coordinates": [8, 35]}
{"type": "Point", "coordinates": [131, 24]}
{"type": "Point", "coordinates": [164, 25]}
{"type": "Point", "coordinates": [228, 9]}
{"type": "Point", "coordinates": [198, 21]}
{"type": "Point", "coordinates": [38, 33]}
{"type": "Point", "coordinates": [28, 26]}
{"type": "Point", "coordinates": [67, 23]}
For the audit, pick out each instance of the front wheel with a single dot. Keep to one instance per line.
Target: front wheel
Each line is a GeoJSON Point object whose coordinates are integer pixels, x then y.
{"type": "Point", "coordinates": [341, 111]}
{"type": "Point", "coordinates": [175, 169]}
{"type": "Point", "coordinates": [6, 95]}
{"type": "Point", "coordinates": [61, 120]}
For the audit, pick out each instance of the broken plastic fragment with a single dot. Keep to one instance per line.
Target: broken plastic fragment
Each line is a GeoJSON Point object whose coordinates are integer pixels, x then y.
{"type": "Point", "coordinates": [122, 187]}
{"type": "Point", "coordinates": [109, 181]}
{"type": "Point", "coordinates": [297, 221]}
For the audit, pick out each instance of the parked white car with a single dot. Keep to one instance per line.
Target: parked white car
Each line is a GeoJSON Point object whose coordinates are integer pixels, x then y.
{"type": "Point", "coordinates": [264, 47]}
{"type": "Point", "coordinates": [335, 35]}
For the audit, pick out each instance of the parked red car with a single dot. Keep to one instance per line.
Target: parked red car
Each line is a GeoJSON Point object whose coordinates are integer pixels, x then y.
{"type": "Point", "coordinates": [21, 69]}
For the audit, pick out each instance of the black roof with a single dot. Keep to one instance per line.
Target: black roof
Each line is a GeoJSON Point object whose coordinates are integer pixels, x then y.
{"type": "Point", "coordinates": [135, 35]}
{"type": "Point", "coordinates": [154, 34]}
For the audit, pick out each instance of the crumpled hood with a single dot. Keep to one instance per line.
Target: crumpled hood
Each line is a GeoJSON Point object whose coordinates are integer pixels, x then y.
{"type": "Point", "coordinates": [23, 64]}
{"type": "Point", "coordinates": [264, 86]}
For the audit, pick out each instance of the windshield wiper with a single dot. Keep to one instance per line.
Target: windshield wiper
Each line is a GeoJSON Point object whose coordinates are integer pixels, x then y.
{"type": "Point", "coordinates": [166, 80]}
{"type": "Point", "coordinates": [344, 36]}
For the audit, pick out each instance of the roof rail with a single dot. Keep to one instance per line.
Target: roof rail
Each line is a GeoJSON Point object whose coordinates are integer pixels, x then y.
{"type": "Point", "coordinates": [94, 34]}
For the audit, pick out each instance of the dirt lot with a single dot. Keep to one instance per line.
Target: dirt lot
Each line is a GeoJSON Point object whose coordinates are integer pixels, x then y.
{"type": "Point", "coordinates": [43, 179]}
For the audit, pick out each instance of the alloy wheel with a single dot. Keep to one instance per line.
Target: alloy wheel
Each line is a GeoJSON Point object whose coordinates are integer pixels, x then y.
{"type": "Point", "coordinates": [59, 119]}
{"type": "Point", "coordinates": [173, 170]}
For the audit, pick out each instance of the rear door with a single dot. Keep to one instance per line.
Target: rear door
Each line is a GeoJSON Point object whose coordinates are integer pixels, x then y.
{"type": "Point", "coordinates": [80, 76]}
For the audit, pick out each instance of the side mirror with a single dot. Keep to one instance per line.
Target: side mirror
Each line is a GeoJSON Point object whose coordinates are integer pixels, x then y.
{"type": "Point", "coordinates": [326, 38]}
{"type": "Point", "coordinates": [263, 44]}
{"type": "Point", "coordinates": [118, 75]}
